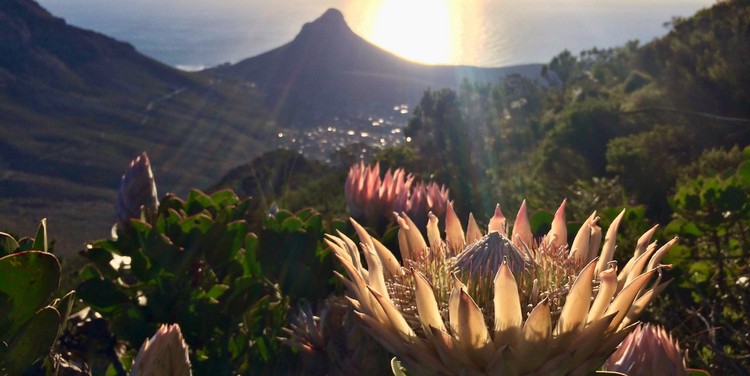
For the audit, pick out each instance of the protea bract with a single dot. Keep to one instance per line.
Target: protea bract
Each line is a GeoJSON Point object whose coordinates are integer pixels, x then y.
{"type": "Point", "coordinates": [164, 354]}
{"type": "Point", "coordinates": [137, 195]}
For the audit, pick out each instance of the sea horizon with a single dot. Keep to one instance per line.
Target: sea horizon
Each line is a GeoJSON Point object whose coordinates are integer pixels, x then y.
{"type": "Point", "coordinates": [190, 35]}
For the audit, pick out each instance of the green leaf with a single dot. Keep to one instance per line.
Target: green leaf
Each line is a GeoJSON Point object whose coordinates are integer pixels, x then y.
{"type": "Point", "coordinates": [292, 224]}
{"type": "Point", "coordinates": [7, 244]}
{"type": "Point", "coordinates": [40, 240]}
{"type": "Point", "coordinates": [32, 341]}
{"type": "Point", "coordinates": [697, 372]}
{"type": "Point", "coordinates": [198, 201]}
{"type": "Point", "coordinates": [217, 290]}
{"type": "Point", "coordinates": [224, 198]}
{"type": "Point", "coordinates": [102, 295]}
{"type": "Point", "coordinates": [27, 281]}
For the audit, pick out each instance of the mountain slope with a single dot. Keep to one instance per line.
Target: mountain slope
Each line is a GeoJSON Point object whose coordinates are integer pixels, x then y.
{"type": "Point", "coordinates": [328, 70]}
{"type": "Point", "coordinates": [77, 106]}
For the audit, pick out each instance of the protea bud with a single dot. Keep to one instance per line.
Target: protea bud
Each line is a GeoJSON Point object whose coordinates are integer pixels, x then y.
{"type": "Point", "coordinates": [648, 350]}
{"type": "Point", "coordinates": [137, 197]}
{"type": "Point", "coordinates": [332, 344]}
{"type": "Point", "coordinates": [474, 304]}
{"type": "Point", "coordinates": [164, 354]}
{"type": "Point", "coordinates": [372, 200]}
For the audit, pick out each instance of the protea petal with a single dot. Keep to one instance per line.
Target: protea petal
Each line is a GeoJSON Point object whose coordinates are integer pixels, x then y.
{"type": "Point", "coordinates": [433, 233]}
{"type": "Point", "coordinates": [643, 301]}
{"type": "Point", "coordinates": [453, 301]}
{"type": "Point", "coordinates": [521, 235]}
{"type": "Point", "coordinates": [473, 233]}
{"type": "Point", "coordinates": [451, 354]}
{"type": "Point", "coordinates": [537, 336]}
{"type": "Point", "coordinates": [508, 316]}
{"type": "Point", "coordinates": [659, 255]}
{"type": "Point", "coordinates": [640, 263]}
{"type": "Point", "coordinates": [595, 241]}
{"type": "Point", "coordinates": [580, 248]}
{"type": "Point", "coordinates": [429, 313]}
{"type": "Point", "coordinates": [471, 331]}
{"type": "Point", "coordinates": [395, 317]}
{"type": "Point", "coordinates": [454, 232]}
{"type": "Point", "coordinates": [497, 222]}
{"type": "Point", "coordinates": [558, 234]}
{"type": "Point", "coordinates": [607, 289]}
{"type": "Point", "coordinates": [624, 299]}
{"type": "Point", "coordinates": [608, 250]}
{"type": "Point", "coordinates": [576, 308]}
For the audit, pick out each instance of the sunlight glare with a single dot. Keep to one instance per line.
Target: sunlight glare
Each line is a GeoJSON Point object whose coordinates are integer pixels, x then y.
{"type": "Point", "coordinates": [419, 30]}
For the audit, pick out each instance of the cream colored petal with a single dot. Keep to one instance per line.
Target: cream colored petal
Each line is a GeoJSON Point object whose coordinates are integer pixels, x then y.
{"type": "Point", "coordinates": [397, 320]}
{"type": "Point", "coordinates": [364, 237]}
{"type": "Point", "coordinates": [390, 263]}
{"type": "Point", "coordinates": [375, 279]}
{"type": "Point", "coordinates": [453, 304]}
{"type": "Point", "coordinates": [403, 239]}
{"type": "Point", "coordinates": [417, 245]}
{"type": "Point", "coordinates": [472, 332]}
{"type": "Point", "coordinates": [576, 308]}
{"type": "Point", "coordinates": [589, 340]}
{"type": "Point", "coordinates": [595, 241]}
{"type": "Point", "coordinates": [507, 304]}
{"type": "Point", "coordinates": [337, 250]}
{"type": "Point", "coordinates": [351, 247]}
{"type": "Point", "coordinates": [640, 263]}
{"type": "Point", "coordinates": [433, 234]}
{"type": "Point", "coordinates": [624, 299]}
{"type": "Point", "coordinates": [497, 222]}
{"type": "Point", "coordinates": [521, 235]}
{"type": "Point", "coordinates": [362, 294]}
{"type": "Point", "coordinates": [607, 289]}
{"type": "Point", "coordinates": [659, 255]}
{"type": "Point", "coordinates": [642, 302]}
{"type": "Point", "coordinates": [608, 250]}
{"type": "Point", "coordinates": [472, 230]}
{"type": "Point", "coordinates": [427, 307]}
{"type": "Point", "coordinates": [644, 241]}
{"type": "Point", "coordinates": [389, 339]}
{"type": "Point", "coordinates": [454, 232]}
{"type": "Point", "coordinates": [451, 354]}
{"type": "Point", "coordinates": [580, 248]}
{"type": "Point", "coordinates": [537, 336]}
{"type": "Point", "coordinates": [558, 234]}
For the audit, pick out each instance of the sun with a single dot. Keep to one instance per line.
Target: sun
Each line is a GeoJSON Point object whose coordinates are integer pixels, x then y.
{"type": "Point", "coordinates": [418, 30]}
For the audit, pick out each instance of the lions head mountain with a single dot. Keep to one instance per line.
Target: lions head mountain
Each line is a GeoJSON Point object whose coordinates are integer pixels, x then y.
{"type": "Point", "coordinates": [329, 71]}
{"type": "Point", "coordinates": [76, 106]}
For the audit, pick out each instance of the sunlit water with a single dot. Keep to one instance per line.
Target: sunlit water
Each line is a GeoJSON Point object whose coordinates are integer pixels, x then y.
{"type": "Point", "coordinates": [193, 34]}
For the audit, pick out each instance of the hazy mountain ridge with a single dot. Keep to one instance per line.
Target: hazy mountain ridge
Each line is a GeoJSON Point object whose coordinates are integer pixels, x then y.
{"type": "Point", "coordinates": [328, 71]}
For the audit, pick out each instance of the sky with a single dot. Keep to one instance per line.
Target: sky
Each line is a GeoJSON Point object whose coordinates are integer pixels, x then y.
{"type": "Point", "coordinates": [471, 32]}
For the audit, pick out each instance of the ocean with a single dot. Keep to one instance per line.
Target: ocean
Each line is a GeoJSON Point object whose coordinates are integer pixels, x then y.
{"type": "Point", "coordinates": [195, 34]}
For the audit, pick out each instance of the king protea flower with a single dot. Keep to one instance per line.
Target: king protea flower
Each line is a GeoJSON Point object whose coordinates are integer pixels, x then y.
{"type": "Point", "coordinates": [648, 350]}
{"type": "Point", "coordinates": [137, 195]}
{"type": "Point", "coordinates": [371, 199]}
{"type": "Point", "coordinates": [165, 354]}
{"type": "Point", "coordinates": [474, 303]}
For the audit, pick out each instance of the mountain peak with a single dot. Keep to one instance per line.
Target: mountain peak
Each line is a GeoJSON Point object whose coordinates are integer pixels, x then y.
{"type": "Point", "coordinates": [330, 24]}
